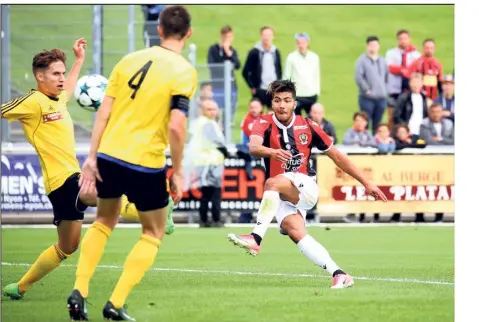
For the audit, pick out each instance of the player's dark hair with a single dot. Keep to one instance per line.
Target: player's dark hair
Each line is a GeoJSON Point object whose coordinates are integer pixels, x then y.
{"type": "Point", "coordinates": [428, 40]}
{"type": "Point", "coordinates": [226, 29]}
{"type": "Point", "coordinates": [175, 22]}
{"type": "Point", "coordinates": [362, 115]}
{"type": "Point", "coordinates": [371, 39]}
{"type": "Point", "coordinates": [44, 58]}
{"type": "Point", "coordinates": [401, 32]}
{"type": "Point", "coordinates": [282, 86]}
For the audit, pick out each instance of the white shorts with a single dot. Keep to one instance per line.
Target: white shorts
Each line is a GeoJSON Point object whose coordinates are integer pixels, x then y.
{"type": "Point", "coordinates": [308, 197]}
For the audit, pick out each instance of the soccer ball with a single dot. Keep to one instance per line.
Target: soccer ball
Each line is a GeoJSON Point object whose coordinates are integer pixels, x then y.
{"type": "Point", "coordinates": [90, 90]}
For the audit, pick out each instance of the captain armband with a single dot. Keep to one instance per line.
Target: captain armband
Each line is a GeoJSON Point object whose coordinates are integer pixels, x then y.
{"type": "Point", "coordinates": [181, 103]}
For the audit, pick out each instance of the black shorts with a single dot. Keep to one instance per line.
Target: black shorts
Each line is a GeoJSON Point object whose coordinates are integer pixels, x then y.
{"type": "Point", "coordinates": [392, 100]}
{"type": "Point", "coordinates": [66, 202]}
{"type": "Point", "coordinates": [147, 191]}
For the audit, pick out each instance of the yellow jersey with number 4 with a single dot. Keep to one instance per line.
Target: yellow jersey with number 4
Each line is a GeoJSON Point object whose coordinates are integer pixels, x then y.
{"type": "Point", "coordinates": [146, 85]}
{"type": "Point", "coordinates": [49, 129]}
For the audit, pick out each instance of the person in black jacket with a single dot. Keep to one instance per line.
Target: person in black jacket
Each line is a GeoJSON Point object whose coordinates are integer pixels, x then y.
{"type": "Point", "coordinates": [411, 106]}
{"type": "Point", "coordinates": [263, 66]}
{"type": "Point", "coordinates": [217, 55]}
{"type": "Point", "coordinates": [317, 114]}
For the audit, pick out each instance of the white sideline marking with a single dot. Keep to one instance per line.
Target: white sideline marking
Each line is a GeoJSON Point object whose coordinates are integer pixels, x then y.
{"type": "Point", "coordinates": [202, 271]}
{"type": "Point", "coordinates": [322, 225]}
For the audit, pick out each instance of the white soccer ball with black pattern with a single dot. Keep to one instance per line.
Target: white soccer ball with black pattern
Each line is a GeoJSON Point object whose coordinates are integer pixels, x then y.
{"type": "Point", "coordinates": [90, 90]}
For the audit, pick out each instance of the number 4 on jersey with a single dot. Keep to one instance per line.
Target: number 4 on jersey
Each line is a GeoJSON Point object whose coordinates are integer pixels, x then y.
{"type": "Point", "coordinates": [142, 73]}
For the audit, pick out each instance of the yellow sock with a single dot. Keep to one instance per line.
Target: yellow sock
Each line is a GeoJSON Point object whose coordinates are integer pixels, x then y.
{"type": "Point", "coordinates": [128, 210]}
{"type": "Point", "coordinates": [92, 247]}
{"type": "Point", "coordinates": [137, 263]}
{"type": "Point", "coordinates": [45, 263]}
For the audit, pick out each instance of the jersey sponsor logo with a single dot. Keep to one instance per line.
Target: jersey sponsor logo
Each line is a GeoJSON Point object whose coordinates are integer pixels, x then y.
{"type": "Point", "coordinates": [263, 121]}
{"type": "Point", "coordinates": [294, 163]}
{"type": "Point", "coordinates": [50, 117]}
{"type": "Point", "coordinates": [303, 138]}
{"type": "Point", "coordinates": [300, 127]}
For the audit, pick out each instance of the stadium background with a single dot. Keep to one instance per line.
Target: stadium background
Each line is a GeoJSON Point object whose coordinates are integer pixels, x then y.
{"type": "Point", "coordinates": [402, 273]}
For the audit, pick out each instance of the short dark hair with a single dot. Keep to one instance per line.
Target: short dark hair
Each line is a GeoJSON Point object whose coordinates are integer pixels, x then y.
{"type": "Point", "coordinates": [428, 40]}
{"type": "Point", "coordinates": [44, 58]}
{"type": "Point", "coordinates": [282, 86]}
{"type": "Point", "coordinates": [264, 28]}
{"type": "Point", "coordinates": [205, 83]}
{"type": "Point", "coordinates": [175, 22]}
{"type": "Point", "coordinates": [435, 105]}
{"type": "Point", "coordinates": [362, 115]}
{"type": "Point", "coordinates": [255, 99]}
{"type": "Point", "coordinates": [402, 125]}
{"type": "Point", "coordinates": [226, 29]}
{"type": "Point", "coordinates": [382, 125]}
{"type": "Point", "coordinates": [372, 38]}
{"type": "Point", "coordinates": [402, 31]}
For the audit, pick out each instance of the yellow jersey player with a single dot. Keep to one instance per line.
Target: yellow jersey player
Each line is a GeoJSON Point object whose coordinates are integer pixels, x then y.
{"type": "Point", "coordinates": [49, 128]}
{"type": "Point", "coordinates": [144, 110]}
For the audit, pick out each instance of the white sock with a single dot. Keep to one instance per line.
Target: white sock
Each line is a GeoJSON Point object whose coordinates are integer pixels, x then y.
{"type": "Point", "coordinates": [317, 253]}
{"type": "Point", "coordinates": [267, 210]}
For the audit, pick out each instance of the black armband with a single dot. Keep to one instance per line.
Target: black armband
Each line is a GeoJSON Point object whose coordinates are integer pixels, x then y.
{"type": "Point", "coordinates": [224, 151]}
{"type": "Point", "coordinates": [181, 103]}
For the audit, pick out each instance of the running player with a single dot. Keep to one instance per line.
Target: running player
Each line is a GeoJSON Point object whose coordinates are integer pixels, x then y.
{"type": "Point", "coordinates": [146, 102]}
{"type": "Point", "coordinates": [49, 128]}
{"type": "Point", "coordinates": [285, 141]}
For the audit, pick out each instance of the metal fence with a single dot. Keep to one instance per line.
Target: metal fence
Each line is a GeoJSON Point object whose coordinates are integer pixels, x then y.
{"type": "Point", "coordinates": [112, 31]}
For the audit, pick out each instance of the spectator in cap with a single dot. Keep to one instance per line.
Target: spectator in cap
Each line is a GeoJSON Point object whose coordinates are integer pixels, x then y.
{"type": "Point", "coordinates": [446, 99]}
{"type": "Point", "coordinates": [302, 67]}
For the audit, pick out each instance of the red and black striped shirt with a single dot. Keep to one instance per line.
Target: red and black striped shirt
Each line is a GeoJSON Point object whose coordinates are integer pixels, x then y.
{"type": "Point", "coordinates": [299, 137]}
{"type": "Point", "coordinates": [431, 69]}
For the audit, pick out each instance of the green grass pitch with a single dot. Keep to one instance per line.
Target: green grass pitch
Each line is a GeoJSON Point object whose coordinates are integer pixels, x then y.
{"type": "Point", "coordinates": [404, 274]}
{"type": "Point", "coordinates": [338, 34]}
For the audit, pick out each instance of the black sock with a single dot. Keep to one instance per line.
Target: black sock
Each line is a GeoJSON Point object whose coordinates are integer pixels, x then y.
{"type": "Point", "coordinates": [338, 271]}
{"type": "Point", "coordinates": [257, 238]}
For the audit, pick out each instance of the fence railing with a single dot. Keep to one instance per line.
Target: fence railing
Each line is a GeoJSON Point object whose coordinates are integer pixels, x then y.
{"type": "Point", "coordinates": [114, 30]}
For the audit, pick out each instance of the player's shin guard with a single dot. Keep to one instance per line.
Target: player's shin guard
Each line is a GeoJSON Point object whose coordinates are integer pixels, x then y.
{"type": "Point", "coordinates": [317, 253]}
{"type": "Point", "coordinates": [137, 263]}
{"type": "Point", "coordinates": [267, 210]}
{"type": "Point", "coordinates": [92, 247]}
{"type": "Point", "coordinates": [46, 262]}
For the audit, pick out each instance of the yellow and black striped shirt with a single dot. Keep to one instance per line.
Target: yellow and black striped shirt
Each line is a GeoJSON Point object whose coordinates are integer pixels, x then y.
{"type": "Point", "coordinates": [49, 129]}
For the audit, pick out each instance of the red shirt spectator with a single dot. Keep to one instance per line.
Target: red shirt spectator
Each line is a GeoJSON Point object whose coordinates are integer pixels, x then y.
{"type": "Point", "coordinates": [254, 113]}
{"type": "Point", "coordinates": [430, 68]}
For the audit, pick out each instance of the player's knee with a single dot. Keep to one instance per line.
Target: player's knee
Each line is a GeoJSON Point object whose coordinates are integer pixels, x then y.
{"type": "Point", "coordinates": [155, 232]}
{"type": "Point", "coordinates": [296, 234]}
{"type": "Point", "coordinates": [272, 184]}
{"type": "Point", "coordinates": [69, 247]}
{"type": "Point", "coordinates": [110, 222]}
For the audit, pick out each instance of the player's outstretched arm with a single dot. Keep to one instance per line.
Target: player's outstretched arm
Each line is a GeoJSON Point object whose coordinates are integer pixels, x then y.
{"type": "Point", "coordinates": [347, 166]}
{"type": "Point", "coordinates": [257, 149]}
{"type": "Point", "coordinates": [79, 49]}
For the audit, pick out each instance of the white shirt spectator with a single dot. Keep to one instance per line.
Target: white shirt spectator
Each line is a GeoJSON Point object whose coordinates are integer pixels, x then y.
{"type": "Point", "coordinates": [438, 127]}
{"type": "Point", "coordinates": [417, 113]}
{"type": "Point", "coordinates": [304, 70]}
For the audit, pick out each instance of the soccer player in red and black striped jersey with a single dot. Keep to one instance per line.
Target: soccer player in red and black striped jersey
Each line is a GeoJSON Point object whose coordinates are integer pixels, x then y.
{"type": "Point", "coordinates": [284, 141]}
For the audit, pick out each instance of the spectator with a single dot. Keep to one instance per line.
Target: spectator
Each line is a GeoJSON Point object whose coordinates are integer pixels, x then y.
{"type": "Point", "coordinates": [150, 27]}
{"type": "Point", "coordinates": [446, 99]}
{"type": "Point", "coordinates": [254, 113]}
{"type": "Point", "coordinates": [371, 75]}
{"type": "Point", "coordinates": [430, 68]}
{"type": "Point", "coordinates": [302, 67]}
{"type": "Point", "coordinates": [384, 142]}
{"type": "Point", "coordinates": [411, 107]}
{"type": "Point", "coordinates": [217, 55]}
{"type": "Point", "coordinates": [359, 135]}
{"type": "Point", "coordinates": [263, 66]}
{"type": "Point", "coordinates": [204, 162]}
{"type": "Point", "coordinates": [404, 138]}
{"type": "Point", "coordinates": [435, 129]}
{"type": "Point", "coordinates": [399, 59]}
{"type": "Point", "coordinates": [317, 115]}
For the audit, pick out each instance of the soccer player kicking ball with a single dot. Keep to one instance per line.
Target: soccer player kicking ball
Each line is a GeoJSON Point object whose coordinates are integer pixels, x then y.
{"type": "Point", "coordinates": [284, 141]}
{"type": "Point", "coordinates": [145, 106]}
{"type": "Point", "coordinates": [49, 128]}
